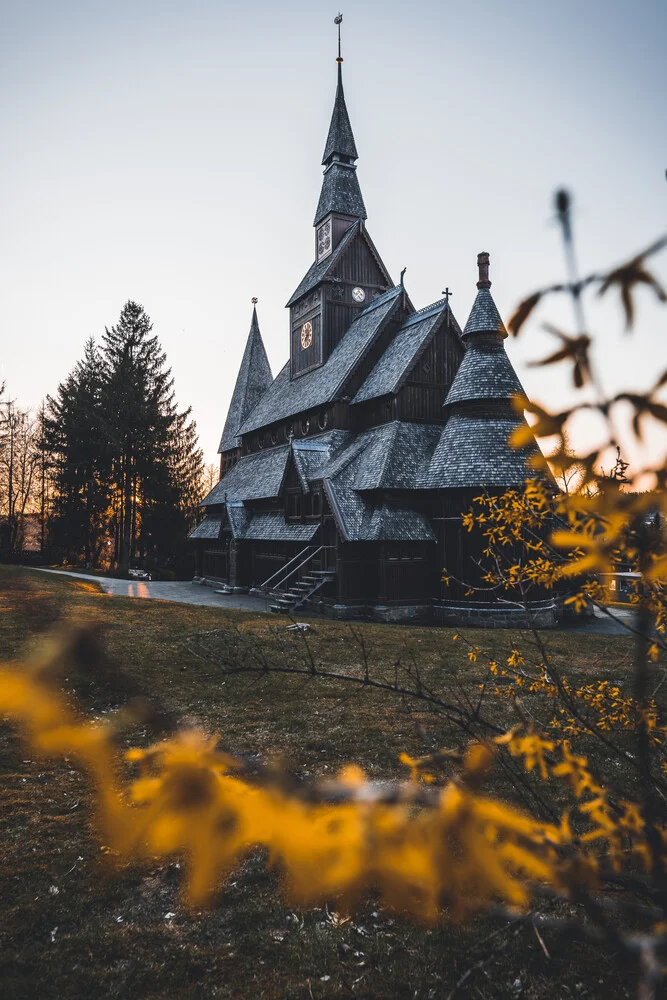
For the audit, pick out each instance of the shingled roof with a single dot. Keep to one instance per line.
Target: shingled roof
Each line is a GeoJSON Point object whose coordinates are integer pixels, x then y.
{"type": "Point", "coordinates": [340, 138]}
{"type": "Point", "coordinates": [311, 455]}
{"type": "Point", "coordinates": [395, 364]}
{"type": "Point", "coordinates": [286, 398]}
{"type": "Point", "coordinates": [473, 452]}
{"type": "Point", "coordinates": [253, 379]}
{"type": "Point", "coordinates": [253, 477]}
{"type": "Point", "coordinates": [484, 316]}
{"type": "Point", "coordinates": [484, 373]}
{"type": "Point", "coordinates": [273, 527]}
{"type": "Point", "coordinates": [388, 457]}
{"type": "Point", "coordinates": [209, 528]}
{"type": "Point", "coordinates": [340, 192]}
{"type": "Point", "coordinates": [395, 455]}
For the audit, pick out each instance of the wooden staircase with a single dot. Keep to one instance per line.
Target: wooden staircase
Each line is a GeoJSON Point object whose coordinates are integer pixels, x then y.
{"type": "Point", "coordinates": [287, 601]}
{"type": "Point", "coordinates": [297, 581]}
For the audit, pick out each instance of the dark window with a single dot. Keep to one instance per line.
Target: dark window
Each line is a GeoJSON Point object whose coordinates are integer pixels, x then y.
{"type": "Point", "coordinates": [323, 420]}
{"type": "Point", "coordinates": [274, 436]}
{"type": "Point", "coordinates": [305, 425]}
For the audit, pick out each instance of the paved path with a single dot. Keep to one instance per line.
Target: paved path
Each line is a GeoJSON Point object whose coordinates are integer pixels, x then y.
{"type": "Point", "coordinates": [184, 592]}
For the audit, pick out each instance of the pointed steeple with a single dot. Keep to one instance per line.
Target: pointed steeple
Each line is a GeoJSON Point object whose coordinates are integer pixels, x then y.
{"type": "Point", "coordinates": [253, 379]}
{"type": "Point", "coordinates": [340, 139]}
{"type": "Point", "coordinates": [340, 188]}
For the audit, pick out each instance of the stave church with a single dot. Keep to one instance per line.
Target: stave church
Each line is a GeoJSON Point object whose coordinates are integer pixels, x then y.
{"type": "Point", "coordinates": [344, 478]}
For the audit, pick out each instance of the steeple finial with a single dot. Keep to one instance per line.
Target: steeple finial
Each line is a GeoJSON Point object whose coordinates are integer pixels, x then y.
{"type": "Point", "coordinates": [340, 188]}
{"type": "Point", "coordinates": [339, 20]}
{"type": "Point", "coordinates": [483, 266]}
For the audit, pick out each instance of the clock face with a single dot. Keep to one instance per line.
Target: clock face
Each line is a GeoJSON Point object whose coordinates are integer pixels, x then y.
{"type": "Point", "coordinates": [358, 294]}
{"type": "Point", "coordinates": [306, 335]}
{"type": "Point", "coordinates": [324, 240]}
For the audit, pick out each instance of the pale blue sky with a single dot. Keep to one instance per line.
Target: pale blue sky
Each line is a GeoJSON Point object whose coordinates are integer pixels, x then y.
{"type": "Point", "coordinates": [170, 153]}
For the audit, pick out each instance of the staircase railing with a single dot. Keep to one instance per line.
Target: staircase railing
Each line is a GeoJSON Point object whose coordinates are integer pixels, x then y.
{"type": "Point", "coordinates": [301, 559]}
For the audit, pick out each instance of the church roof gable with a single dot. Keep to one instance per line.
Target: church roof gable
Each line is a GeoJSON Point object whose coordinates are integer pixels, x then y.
{"type": "Point", "coordinates": [394, 366]}
{"type": "Point", "coordinates": [252, 381]}
{"type": "Point", "coordinates": [286, 398]}
{"type": "Point", "coordinates": [389, 457]}
{"type": "Point", "coordinates": [319, 271]}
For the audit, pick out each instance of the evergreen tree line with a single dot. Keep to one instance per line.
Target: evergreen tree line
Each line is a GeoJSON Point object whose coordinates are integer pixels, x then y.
{"type": "Point", "coordinates": [116, 463]}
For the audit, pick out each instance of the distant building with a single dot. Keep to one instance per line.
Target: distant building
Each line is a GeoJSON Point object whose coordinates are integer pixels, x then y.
{"type": "Point", "coordinates": [343, 479]}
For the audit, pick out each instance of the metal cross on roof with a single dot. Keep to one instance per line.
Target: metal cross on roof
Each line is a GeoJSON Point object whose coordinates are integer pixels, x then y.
{"type": "Point", "coordinates": [254, 300]}
{"type": "Point", "coordinates": [447, 293]}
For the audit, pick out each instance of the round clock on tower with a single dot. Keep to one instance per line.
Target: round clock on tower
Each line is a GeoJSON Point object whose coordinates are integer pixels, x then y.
{"type": "Point", "coordinates": [306, 335]}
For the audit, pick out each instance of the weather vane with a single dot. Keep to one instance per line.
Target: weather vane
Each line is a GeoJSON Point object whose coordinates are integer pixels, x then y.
{"type": "Point", "coordinates": [338, 20]}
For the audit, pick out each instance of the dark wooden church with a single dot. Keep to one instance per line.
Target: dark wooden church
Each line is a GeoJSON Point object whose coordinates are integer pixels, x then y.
{"type": "Point", "coordinates": [344, 478]}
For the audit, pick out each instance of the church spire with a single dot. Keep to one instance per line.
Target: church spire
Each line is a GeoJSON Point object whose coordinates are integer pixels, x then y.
{"type": "Point", "coordinates": [253, 379]}
{"type": "Point", "coordinates": [340, 188]}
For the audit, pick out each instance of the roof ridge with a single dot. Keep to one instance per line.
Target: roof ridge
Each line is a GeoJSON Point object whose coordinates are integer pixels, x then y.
{"type": "Point", "coordinates": [433, 305]}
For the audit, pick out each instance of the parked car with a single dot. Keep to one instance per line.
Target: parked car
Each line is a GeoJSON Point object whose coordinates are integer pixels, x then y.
{"type": "Point", "coordinates": [140, 574]}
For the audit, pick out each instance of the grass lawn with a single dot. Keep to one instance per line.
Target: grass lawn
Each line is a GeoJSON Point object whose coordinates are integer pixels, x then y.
{"type": "Point", "coordinates": [72, 928]}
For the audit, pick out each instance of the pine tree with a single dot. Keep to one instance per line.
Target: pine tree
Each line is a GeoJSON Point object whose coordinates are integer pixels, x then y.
{"type": "Point", "coordinates": [155, 459]}
{"type": "Point", "coordinates": [80, 462]}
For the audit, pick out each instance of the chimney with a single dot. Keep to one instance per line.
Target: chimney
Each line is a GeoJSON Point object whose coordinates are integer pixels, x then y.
{"type": "Point", "coordinates": [483, 265]}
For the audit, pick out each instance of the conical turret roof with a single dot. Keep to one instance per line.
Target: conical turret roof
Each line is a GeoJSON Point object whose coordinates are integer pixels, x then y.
{"type": "Point", "coordinates": [253, 379]}
{"type": "Point", "coordinates": [473, 450]}
{"type": "Point", "coordinates": [484, 373]}
{"type": "Point", "coordinates": [484, 316]}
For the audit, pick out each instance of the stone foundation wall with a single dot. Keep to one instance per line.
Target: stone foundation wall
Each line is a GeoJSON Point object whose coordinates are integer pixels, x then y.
{"type": "Point", "coordinates": [402, 613]}
{"type": "Point", "coordinates": [479, 617]}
